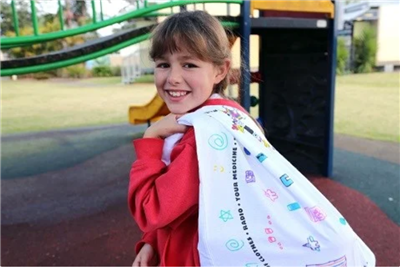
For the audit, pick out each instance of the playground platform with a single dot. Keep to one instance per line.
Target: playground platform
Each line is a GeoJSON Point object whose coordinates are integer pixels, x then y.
{"type": "Point", "coordinates": [70, 208]}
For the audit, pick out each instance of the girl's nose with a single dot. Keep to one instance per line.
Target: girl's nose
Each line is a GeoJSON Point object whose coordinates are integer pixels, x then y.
{"type": "Point", "coordinates": [174, 76]}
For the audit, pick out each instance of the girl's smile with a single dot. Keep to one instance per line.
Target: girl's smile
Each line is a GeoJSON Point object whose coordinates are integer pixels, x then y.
{"type": "Point", "coordinates": [177, 95]}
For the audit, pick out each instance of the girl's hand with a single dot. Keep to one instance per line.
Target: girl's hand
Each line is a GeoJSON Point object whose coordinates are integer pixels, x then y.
{"type": "Point", "coordinates": [165, 127]}
{"type": "Point", "coordinates": [146, 257]}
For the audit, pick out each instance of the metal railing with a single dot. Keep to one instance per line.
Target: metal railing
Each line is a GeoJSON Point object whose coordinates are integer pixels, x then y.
{"type": "Point", "coordinates": [9, 42]}
{"type": "Point", "coordinates": [83, 58]}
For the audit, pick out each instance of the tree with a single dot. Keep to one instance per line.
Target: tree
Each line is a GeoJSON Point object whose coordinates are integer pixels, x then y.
{"type": "Point", "coordinates": [365, 47]}
{"type": "Point", "coordinates": [50, 24]}
{"type": "Point", "coordinates": [342, 56]}
{"type": "Point", "coordinates": [24, 15]}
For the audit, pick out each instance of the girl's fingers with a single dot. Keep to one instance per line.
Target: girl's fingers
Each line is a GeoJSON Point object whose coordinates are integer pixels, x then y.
{"type": "Point", "coordinates": [177, 116]}
{"type": "Point", "coordinates": [181, 128]}
{"type": "Point", "coordinates": [139, 261]}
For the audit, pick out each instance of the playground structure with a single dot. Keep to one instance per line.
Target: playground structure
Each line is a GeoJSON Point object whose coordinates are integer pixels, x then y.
{"type": "Point", "coordinates": [296, 68]}
{"type": "Point", "coordinates": [150, 112]}
{"type": "Point", "coordinates": [131, 67]}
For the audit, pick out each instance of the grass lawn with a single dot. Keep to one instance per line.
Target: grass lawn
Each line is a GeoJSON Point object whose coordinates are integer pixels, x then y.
{"type": "Point", "coordinates": [366, 105]}
{"type": "Point", "coordinates": [29, 105]}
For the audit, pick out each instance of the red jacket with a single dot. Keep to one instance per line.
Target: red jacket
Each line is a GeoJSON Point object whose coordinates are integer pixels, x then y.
{"type": "Point", "coordinates": [164, 199]}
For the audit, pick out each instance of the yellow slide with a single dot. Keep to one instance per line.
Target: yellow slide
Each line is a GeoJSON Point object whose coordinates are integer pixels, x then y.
{"type": "Point", "coordinates": [152, 111]}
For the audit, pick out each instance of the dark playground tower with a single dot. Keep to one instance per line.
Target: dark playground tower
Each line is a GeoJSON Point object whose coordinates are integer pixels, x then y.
{"type": "Point", "coordinates": [297, 67]}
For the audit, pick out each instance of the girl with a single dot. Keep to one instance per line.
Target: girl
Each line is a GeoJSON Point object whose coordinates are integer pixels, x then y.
{"type": "Point", "coordinates": [252, 188]}
{"type": "Point", "coordinates": [192, 59]}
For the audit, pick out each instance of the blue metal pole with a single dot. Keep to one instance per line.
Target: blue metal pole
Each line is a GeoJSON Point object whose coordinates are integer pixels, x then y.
{"type": "Point", "coordinates": [244, 92]}
{"type": "Point", "coordinates": [331, 103]}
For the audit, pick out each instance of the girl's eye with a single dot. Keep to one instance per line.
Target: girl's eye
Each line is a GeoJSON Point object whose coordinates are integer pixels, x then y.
{"type": "Point", "coordinates": [189, 65]}
{"type": "Point", "coordinates": [162, 65]}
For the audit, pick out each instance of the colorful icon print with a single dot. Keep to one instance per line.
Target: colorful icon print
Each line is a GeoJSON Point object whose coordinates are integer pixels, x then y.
{"type": "Point", "coordinates": [315, 213]}
{"type": "Point", "coordinates": [266, 144]}
{"type": "Point", "coordinates": [268, 230]}
{"type": "Point", "coordinates": [293, 206]}
{"type": "Point", "coordinates": [261, 157]}
{"type": "Point", "coordinates": [237, 127]}
{"type": "Point", "coordinates": [312, 244]}
{"type": "Point", "coordinates": [286, 180]}
{"type": "Point", "coordinates": [269, 220]}
{"type": "Point", "coordinates": [270, 194]}
{"type": "Point", "coordinates": [218, 141]}
{"type": "Point", "coordinates": [250, 178]}
{"type": "Point", "coordinates": [233, 113]}
{"type": "Point", "coordinates": [234, 245]}
{"type": "Point", "coordinates": [341, 262]}
{"type": "Point", "coordinates": [225, 215]}
{"type": "Point", "coordinates": [220, 169]}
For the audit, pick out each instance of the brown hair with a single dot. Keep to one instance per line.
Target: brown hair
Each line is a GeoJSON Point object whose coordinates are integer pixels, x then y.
{"type": "Point", "coordinates": [200, 33]}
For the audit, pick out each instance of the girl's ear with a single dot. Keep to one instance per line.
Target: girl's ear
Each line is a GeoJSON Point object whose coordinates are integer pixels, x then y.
{"type": "Point", "coordinates": [222, 71]}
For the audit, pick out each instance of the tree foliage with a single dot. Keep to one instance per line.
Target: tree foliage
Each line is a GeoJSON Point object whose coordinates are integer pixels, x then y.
{"type": "Point", "coordinates": [366, 47]}
{"type": "Point", "coordinates": [342, 56]}
{"type": "Point", "coordinates": [24, 15]}
{"type": "Point", "coordinates": [50, 25]}
{"type": "Point", "coordinates": [47, 23]}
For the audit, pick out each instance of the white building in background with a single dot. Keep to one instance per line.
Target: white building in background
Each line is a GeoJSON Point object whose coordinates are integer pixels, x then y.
{"type": "Point", "coordinates": [384, 16]}
{"type": "Point", "coordinates": [388, 35]}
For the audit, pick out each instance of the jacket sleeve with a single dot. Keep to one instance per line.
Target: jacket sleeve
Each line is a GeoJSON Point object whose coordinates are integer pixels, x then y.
{"type": "Point", "coordinates": [158, 194]}
{"type": "Point", "coordinates": [149, 238]}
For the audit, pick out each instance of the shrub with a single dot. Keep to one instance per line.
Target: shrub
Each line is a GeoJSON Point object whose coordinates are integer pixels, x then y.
{"type": "Point", "coordinates": [42, 76]}
{"type": "Point", "coordinates": [76, 71]}
{"type": "Point", "coordinates": [148, 78]}
{"type": "Point", "coordinates": [365, 48]}
{"type": "Point", "coordinates": [341, 56]}
{"type": "Point", "coordinates": [116, 71]}
{"type": "Point", "coordinates": [102, 71]}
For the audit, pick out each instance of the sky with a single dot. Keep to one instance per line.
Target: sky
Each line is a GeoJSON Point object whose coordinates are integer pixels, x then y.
{"type": "Point", "coordinates": [110, 9]}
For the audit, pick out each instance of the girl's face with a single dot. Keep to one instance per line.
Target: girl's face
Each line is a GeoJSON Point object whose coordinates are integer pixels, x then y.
{"type": "Point", "coordinates": [185, 82]}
